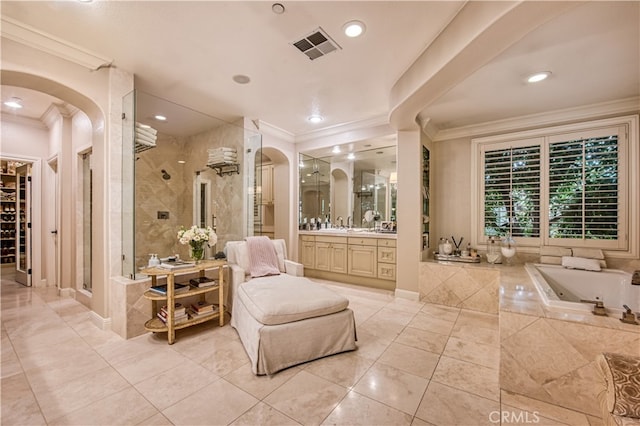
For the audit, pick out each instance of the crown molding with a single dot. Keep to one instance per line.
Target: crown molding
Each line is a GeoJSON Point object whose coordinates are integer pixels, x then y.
{"type": "Point", "coordinates": [30, 36]}
{"type": "Point", "coordinates": [542, 119]}
{"type": "Point", "coordinates": [275, 131]}
{"type": "Point", "coordinates": [343, 128]}
{"type": "Point", "coordinates": [23, 121]}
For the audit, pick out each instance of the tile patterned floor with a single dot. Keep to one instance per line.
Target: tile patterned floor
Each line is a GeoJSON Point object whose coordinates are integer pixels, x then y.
{"type": "Point", "coordinates": [417, 364]}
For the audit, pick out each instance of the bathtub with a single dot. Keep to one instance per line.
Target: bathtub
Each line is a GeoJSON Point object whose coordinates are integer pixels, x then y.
{"type": "Point", "coordinates": [564, 288]}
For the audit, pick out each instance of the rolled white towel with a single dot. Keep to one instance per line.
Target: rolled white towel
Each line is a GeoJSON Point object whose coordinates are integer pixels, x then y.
{"type": "Point", "coordinates": [573, 262]}
{"type": "Point", "coordinates": [143, 142]}
{"type": "Point", "coordinates": [221, 159]}
{"type": "Point", "coordinates": [148, 129]}
{"type": "Point", "coordinates": [222, 150]}
{"type": "Point", "coordinates": [223, 155]}
{"type": "Point", "coordinates": [145, 138]}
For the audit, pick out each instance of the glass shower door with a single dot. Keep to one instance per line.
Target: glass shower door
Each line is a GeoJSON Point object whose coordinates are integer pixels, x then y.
{"type": "Point", "coordinates": [23, 224]}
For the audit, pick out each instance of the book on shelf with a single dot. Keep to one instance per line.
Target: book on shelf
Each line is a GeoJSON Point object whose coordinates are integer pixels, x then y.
{"type": "Point", "coordinates": [177, 289]}
{"type": "Point", "coordinates": [203, 282]}
{"type": "Point", "coordinates": [178, 309]}
{"type": "Point", "coordinates": [202, 306]}
{"type": "Point", "coordinates": [179, 319]}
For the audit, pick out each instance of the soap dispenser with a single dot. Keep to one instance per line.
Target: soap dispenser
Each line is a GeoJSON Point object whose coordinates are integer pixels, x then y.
{"type": "Point", "coordinates": [153, 260]}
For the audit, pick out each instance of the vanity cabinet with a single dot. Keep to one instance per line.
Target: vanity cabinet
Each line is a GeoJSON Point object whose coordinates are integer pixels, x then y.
{"type": "Point", "coordinates": [387, 259]}
{"type": "Point", "coordinates": [362, 257]}
{"type": "Point", "coordinates": [363, 260]}
{"type": "Point", "coordinates": [331, 254]}
{"type": "Point", "coordinates": [308, 251]}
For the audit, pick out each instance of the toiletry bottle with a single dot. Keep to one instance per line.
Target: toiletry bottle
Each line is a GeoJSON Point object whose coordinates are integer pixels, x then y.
{"type": "Point", "coordinates": [441, 246]}
{"type": "Point", "coordinates": [447, 247]}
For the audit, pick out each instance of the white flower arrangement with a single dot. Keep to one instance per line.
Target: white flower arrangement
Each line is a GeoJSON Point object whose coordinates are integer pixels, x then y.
{"type": "Point", "coordinates": [196, 237]}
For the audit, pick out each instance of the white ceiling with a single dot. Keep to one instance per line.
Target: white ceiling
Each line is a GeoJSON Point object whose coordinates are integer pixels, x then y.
{"type": "Point", "coordinates": [188, 52]}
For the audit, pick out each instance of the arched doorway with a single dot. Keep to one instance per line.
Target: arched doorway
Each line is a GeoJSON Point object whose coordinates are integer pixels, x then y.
{"type": "Point", "coordinates": [275, 187]}
{"type": "Point", "coordinates": [62, 164]}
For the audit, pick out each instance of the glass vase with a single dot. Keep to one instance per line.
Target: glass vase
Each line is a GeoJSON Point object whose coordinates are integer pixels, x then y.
{"type": "Point", "coordinates": [197, 253]}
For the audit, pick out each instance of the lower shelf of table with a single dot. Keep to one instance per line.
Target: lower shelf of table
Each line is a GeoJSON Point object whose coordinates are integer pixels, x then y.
{"type": "Point", "coordinates": [156, 325]}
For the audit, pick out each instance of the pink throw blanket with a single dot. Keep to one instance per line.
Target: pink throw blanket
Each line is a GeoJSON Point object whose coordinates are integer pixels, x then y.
{"type": "Point", "coordinates": [263, 259]}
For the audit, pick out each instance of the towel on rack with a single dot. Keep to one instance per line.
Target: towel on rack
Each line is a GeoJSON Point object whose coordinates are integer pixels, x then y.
{"type": "Point", "coordinates": [145, 138]}
{"type": "Point", "coordinates": [146, 129]}
{"type": "Point", "coordinates": [589, 253]}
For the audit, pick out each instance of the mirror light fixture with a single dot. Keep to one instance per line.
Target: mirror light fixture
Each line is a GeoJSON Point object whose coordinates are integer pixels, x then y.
{"type": "Point", "coordinates": [393, 177]}
{"type": "Point", "coordinates": [354, 28]}
{"type": "Point", "coordinates": [539, 76]}
{"type": "Point", "coordinates": [351, 156]}
{"type": "Point", "coordinates": [336, 149]}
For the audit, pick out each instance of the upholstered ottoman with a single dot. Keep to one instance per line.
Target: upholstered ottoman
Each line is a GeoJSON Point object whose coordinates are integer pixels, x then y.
{"type": "Point", "coordinates": [620, 397]}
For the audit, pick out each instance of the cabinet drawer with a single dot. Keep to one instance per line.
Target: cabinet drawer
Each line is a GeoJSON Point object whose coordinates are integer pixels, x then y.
{"type": "Point", "coordinates": [363, 241]}
{"type": "Point", "coordinates": [387, 271]}
{"type": "Point", "coordinates": [331, 239]}
{"type": "Point", "coordinates": [307, 238]}
{"type": "Point", "coordinates": [387, 242]}
{"type": "Point", "coordinates": [387, 254]}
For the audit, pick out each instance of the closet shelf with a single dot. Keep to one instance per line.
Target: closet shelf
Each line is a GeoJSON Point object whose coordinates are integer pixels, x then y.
{"type": "Point", "coordinates": [225, 168]}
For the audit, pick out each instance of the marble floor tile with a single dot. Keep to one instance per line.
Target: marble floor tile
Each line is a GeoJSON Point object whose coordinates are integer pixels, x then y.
{"type": "Point", "coordinates": [149, 364]}
{"type": "Point", "coordinates": [393, 316]}
{"type": "Point", "coordinates": [264, 415]}
{"type": "Point", "coordinates": [477, 353]}
{"type": "Point", "coordinates": [306, 398]}
{"type": "Point", "coordinates": [544, 409]}
{"type": "Point", "coordinates": [9, 359]}
{"type": "Point", "coordinates": [370, 346]}
{"type": "Point", "coordinates": [478, 334]}
{"type": "Point", "coordinates": [156, 420]}
{"type": "Point", "coordinates": [412, 360]}
{"type": "Point", "coordinates": [446, 313]}
{"type": "Point", "coordinates": [74, 366]}
{"type": "Point", "coordinates": [259, 386]}
{"type": "Point", "coordinates": [77, 393]}
{"type": "Point", "coordinates": [356, 409]}
{"type": "Point", "coordinates": [170, 386]}
{"type": "Point", "coordinates": [405, 305]}
{"type": "Point", "coordinates": [444, 405]}
{"type": "Point", "coordinates": [472, 378]}
{"type": "Point", "coordinates": [422, 339]}
{"type": "Point", "coordinates": [393, 387]}
{"type": "Point", "coordinates": [380, 328]}
{"type": "Point", "coordinates": [477, 319]}
{"type": "Point", "coordinates": [343, 369]}
{"type": "Point", "coordinates": [225, 359]}
{"type": "Point", "coordinates": [19, 405]}
{"type": "Point", "coordinates": [133, 408]}
{"type": "Point", "coordinates": [431, 323]}
{"type": "Point", "coordinates": [219, 403]}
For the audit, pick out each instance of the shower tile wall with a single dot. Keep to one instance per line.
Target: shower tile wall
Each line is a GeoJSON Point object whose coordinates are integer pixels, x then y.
{"type": "Point", "coordinates": [175, 195]}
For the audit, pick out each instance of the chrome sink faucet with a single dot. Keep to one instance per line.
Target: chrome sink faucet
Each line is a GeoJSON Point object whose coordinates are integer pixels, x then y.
{"type": "Point", "coordinates": [339, 220]}
{"type": "Point", "coordinates": [349, 222]}
{"type": "Point", "coordinates": [635, 278]}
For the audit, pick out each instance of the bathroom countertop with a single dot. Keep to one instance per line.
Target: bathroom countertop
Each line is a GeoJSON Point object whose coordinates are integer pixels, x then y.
{"type": "Point", "coordinates": [349, 233]}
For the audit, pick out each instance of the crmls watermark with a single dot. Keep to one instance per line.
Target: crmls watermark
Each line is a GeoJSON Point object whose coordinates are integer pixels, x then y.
{"type": "Point", "coordinates": [519, 417]}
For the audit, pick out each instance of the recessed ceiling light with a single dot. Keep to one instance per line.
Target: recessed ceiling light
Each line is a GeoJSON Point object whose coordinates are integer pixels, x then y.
{"type": "Point", "coordinates": [14, 103]}
{"type": "Point", "coordinates": [336, 149]}
{"type": "Point", "coordinates": [315, 118]}
{"type": "Point", "coordinates": [539, 76]}
{"type": "Point", "coordinates": [277, 8]}
{"type": "Point", "coordinates": [241, 79]}
{"type": "Point", "coordinates": [181, 162]}
{"type": "Point", "coordinates": [354, 28]}
{"type": "Point", "coordinates": [160, 118]}
{"type": "Point", "coordinates": [351, 156]}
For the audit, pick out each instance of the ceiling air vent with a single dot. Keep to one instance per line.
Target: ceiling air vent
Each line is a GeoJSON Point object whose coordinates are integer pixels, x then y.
{"type": "Point", "coordinates": [316, 44]}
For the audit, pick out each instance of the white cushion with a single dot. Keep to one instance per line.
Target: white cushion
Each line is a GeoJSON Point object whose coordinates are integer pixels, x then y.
{"type": "Point", "coordinates": [282, 298]}
{"type": "Point", "coordinates": [238, 253]}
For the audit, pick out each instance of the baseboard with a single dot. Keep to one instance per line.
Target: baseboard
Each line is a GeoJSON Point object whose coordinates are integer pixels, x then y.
{"type": "Point", "coordinates": [406, 294]}
{"type": "Point", "coordinates": [98, 321]}
{"type": "Point", "coordinates": [67, 292]}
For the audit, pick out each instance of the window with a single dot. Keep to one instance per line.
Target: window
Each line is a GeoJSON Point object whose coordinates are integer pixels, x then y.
{"type": "Point", "coordinates": [569, 186]}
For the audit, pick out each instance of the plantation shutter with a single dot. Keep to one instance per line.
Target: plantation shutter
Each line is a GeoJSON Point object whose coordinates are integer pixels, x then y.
{"type": "Point", "coordinates": [512, 191]}
{"type": "Point", "coordinates": [583, 188]}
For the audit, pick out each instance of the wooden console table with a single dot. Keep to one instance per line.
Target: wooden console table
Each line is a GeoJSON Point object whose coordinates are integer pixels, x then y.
{"type": "Point", "coordinates": [155, 324]}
